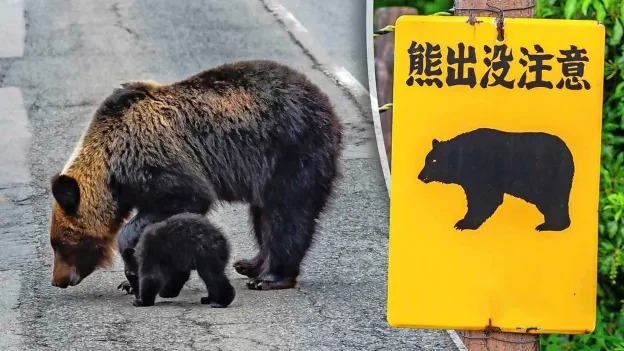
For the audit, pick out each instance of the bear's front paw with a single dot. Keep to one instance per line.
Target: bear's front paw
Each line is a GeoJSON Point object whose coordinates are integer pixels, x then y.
{"type": "Point", "coordinates": [464, 224]}
{"type": "Point", "coordinates": [141, 303]}
{"type": "Point", "coordinates": [127, 287]}
{"type": "Point", "coordinates": [270, 282]}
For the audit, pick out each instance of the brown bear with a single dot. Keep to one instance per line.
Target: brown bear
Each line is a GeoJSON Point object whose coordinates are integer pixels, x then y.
{"type": "Point", "coordinates": [252, 131]}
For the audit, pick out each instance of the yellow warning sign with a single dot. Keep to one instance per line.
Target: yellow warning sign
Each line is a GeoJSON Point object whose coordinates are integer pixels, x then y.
{"type": "Point", "coordinates": [495, 174]}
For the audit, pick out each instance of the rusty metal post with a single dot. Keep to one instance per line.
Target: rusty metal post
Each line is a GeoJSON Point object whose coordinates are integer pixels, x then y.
{"type": "Point", "coordinates": [384, 61]}
{"type": "Point", "coordinates": [491, 340]}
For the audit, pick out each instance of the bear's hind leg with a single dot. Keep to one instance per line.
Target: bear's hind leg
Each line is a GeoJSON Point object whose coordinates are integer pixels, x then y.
{"type": "Point", "coordinates": [220, 292]}
{"type": "Point", "coordinates": [287, 240]}
{"type": "Point", "coordinates": [293, 201]}
{"type": "Point", "coordinates": [252, 267]}
{"type": "Point", "coordinates": [556, 216]}
{"type": "Point", "coordinates": [482, 204]}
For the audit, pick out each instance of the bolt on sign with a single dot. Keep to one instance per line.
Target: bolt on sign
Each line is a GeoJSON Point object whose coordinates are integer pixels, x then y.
{"type": "Point", "coordinates": [495, 174]}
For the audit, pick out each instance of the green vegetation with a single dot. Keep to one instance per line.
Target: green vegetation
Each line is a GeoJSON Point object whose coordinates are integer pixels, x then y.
{"type": "Point", "coordinates": [609, 333]}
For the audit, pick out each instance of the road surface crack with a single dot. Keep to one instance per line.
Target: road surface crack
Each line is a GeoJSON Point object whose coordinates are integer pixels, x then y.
{"type": "Point", "coordinates": [35, 106]}
{"type": "Point", "coordinates": [120, 22]}
{"type": "Point", "coordinates": [216, 336]}
{"type": "Point", "coordinates": [317, 306]}
{"type": "Point", "coordinates": [321, 61]}
{"type": "Point", "coordinates": [4, 72]}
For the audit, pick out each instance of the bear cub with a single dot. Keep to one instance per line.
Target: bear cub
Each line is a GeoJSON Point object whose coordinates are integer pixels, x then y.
{"type": "Point", "coordinates": [166, 252]}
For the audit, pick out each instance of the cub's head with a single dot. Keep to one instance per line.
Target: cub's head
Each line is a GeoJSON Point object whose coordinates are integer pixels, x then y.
{"type": "Point", "coordinates": [127, 240]}
{"type": "Point", "coordinates": [81, 240]}
{"type": "Point", "coordinates": [439, 165]}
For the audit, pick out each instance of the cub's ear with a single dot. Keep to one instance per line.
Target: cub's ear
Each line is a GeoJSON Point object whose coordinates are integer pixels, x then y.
{"type": "Point", "coordinates": [435, 143]}
{"type": "Point", "coordinates": [66, 192]}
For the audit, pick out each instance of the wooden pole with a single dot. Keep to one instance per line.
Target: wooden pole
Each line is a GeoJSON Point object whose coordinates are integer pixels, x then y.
{"type": "Point", "coordinates": [384, 60]}
{"type": "Point", "coordinates": [491, 340]}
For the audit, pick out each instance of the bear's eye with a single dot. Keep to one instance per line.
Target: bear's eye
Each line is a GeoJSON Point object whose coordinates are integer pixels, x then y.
{"type": "Point", "coordinates": [434, 161]}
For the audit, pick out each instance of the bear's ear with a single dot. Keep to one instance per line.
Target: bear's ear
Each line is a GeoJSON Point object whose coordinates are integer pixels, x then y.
{"type": "Point", "coordinates": [435, 143]}
{"type": "Point", "coordinates": [66, 192]}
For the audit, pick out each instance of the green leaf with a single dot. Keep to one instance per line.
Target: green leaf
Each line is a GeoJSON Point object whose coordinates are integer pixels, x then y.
{"type": "Point", "coordinates": [617, 215]}
{"type": "Point", "coordinates": [600, 10]}
{"type": "Point", "coordinates": [612, 228]}
{"type": "Point", "coordinates": [607, 151]}
{"type": "Point", "coordinates": [618, 140]}
{"type": "Point", "coordinates": [609, 127]}
{"type": "Point", "coordinates": [570, 8]}
{"type": "Point", "coordinates": [622, 9]}
{"type": "Point", "coordinates": [618, 31]}
{"type": "Point", "coordinates": [584, 6]}
{"type": "Point", "coordinates": [607, 245]}
{"type": "Point", "coordinates": [619, 89]}
{"type": "Point", "coordinates": [618, 160]}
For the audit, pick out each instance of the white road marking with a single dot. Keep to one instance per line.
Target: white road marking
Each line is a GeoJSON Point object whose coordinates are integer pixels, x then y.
{"type": "Point", "coordinates": [288, 18]}
{"type": "Point", "coordinates": [336, 72]}
{"type": "Point", "coordinates": [372, 84]}
{"type": "Point", "coordinates": [12, 28]}
{"type": "Point", "coordinates": [14, 137]}
{"type": "Point", "coordinates": [10, 327]}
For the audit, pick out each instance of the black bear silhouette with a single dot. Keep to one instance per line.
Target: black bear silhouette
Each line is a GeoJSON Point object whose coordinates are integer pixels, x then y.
{"type": "Point", "coordinates": [487, 163]}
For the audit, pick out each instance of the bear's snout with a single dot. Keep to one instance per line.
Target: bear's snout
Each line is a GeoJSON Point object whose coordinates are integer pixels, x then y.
{"type": "Point", "coordinates": [64, 275]}
{"type": "Point", "coordinates": [422, 176]}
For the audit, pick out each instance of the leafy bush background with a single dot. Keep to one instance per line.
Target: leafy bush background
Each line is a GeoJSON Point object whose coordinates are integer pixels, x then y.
{"type": "Point", "coordinates": [609, 333]}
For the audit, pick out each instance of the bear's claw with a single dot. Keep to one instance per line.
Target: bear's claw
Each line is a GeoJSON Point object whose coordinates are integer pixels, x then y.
{"type": "Point", "coordinates": [125, 286]}
{"type": "Point", "coordinates": [464, 224]}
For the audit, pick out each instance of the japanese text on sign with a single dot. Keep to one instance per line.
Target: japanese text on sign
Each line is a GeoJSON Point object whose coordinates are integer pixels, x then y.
{"type": "Point", "coordinates": [426, 61]}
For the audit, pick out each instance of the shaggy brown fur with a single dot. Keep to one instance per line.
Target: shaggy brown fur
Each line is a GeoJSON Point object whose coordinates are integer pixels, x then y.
{"type": "Point", "coordinates": [251, 131]}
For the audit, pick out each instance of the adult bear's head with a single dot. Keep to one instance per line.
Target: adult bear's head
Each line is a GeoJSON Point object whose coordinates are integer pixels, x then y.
{"type": "Point", "coordinates": [85, 216]}
{"type": "Point", "coordinates": [81, 241]}
{"type": "Point", "coordinates": [440, 163]}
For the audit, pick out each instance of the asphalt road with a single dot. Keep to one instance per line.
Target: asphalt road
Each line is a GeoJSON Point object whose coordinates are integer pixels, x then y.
{"type": "Point", "coordinates": [340, 27]}
{"type": "Point", "coordinates": [59, 60]}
